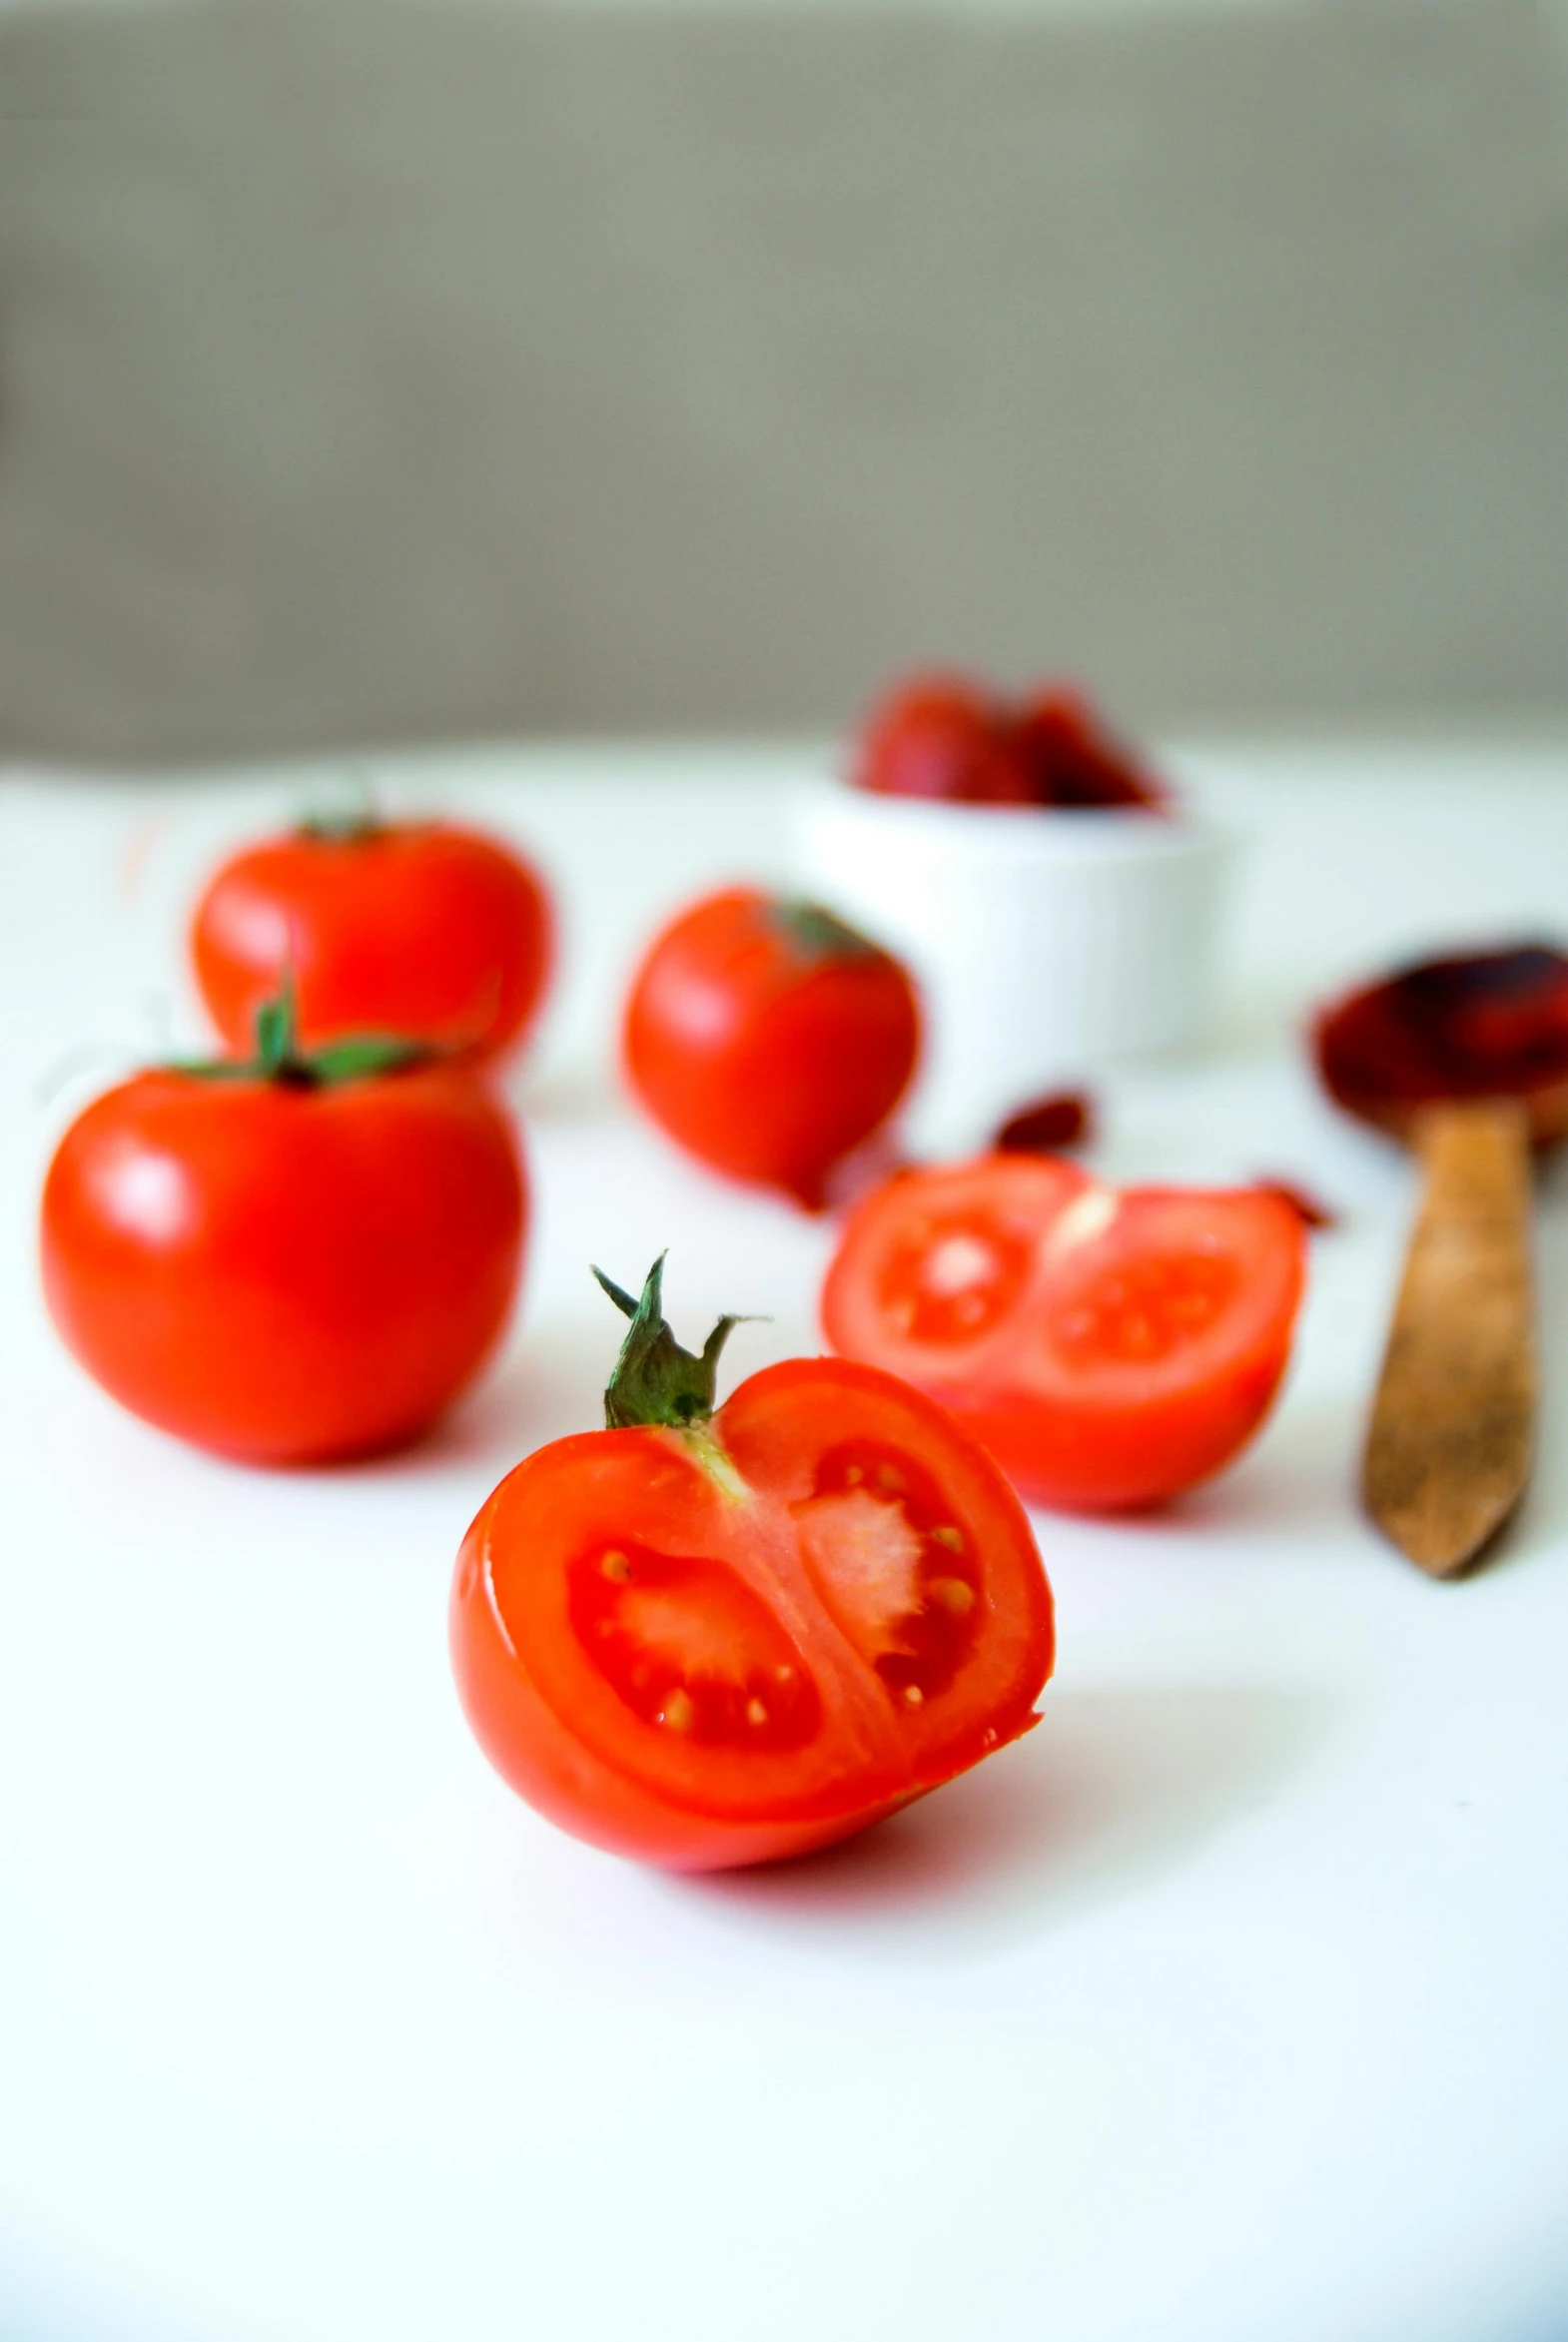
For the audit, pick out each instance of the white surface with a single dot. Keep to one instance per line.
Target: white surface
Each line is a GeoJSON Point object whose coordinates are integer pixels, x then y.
{"type": "Point", "coordinates": [1048, 947]}
{"type": "Point", "coordinates": [1229, 2005]}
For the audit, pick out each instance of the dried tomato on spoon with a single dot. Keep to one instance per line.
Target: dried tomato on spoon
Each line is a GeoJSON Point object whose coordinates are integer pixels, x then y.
{"type": "Point", "coordinates": [1473, 1025]}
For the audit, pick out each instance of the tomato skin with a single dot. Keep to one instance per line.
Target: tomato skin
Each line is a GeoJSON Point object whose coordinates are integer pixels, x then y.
{"type": "Point", "coordinates": [563, 1742]}
{"type": "Point", "coordinates": [278, 1273]}
{"type": "Point", "coordinates": [423, 930]}
{"type": "Point", "coordinates": [766, 1060]}
{"type": "Point", "coordinates": [1088, 1459]}
{"type": "Point", "coordinates": [1098, 1432]}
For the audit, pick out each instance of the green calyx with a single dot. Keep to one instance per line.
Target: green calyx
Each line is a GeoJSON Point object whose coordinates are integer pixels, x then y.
{"type": "Point", "coordinates": [325, 827]}
{"type": "Point", "coordinates": [655, 1380]}
{"type": "Point", "coordinates": [817, 934]}
{"type": "Point", "coordinates": [279, 1057]}
{"type": "Point", "coordinates": [347, 820]}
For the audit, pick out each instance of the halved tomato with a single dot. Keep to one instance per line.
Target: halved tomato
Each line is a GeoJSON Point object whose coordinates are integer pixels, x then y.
{"type": "Point", "coordinates": [1109, 1348]}
{"type": "Point", "coordinates": [707, 1638]}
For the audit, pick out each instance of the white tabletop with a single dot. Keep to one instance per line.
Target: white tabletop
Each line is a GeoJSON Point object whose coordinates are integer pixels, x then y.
{"type": "Point", "coordinates": [1229, 2005]}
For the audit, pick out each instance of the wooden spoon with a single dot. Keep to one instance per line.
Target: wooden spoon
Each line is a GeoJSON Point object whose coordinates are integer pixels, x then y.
{"type": "Point", "coordinates": [1449, 1446]}
{"type": "Point", "coordinates": [1466, 1059]}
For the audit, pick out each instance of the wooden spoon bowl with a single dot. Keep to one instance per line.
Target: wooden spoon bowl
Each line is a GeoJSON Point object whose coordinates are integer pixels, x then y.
{"type": "Point", "coordinates": [1478, 1024]}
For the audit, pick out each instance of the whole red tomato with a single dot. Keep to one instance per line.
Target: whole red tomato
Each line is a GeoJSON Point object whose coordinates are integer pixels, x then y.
{"type": "Point", "coordinates": [769, 1038]}
{"type": "Point", "coordinates": [423, 930]}
{"type": "Point", "coordinates": [940, 736]}
{"type": "Point", "coordinates": [287, 1262]}
{"type": "Point", "coordinates": [1111, 1349]}
{"type": "Point", "coordinates": [706, 1637]}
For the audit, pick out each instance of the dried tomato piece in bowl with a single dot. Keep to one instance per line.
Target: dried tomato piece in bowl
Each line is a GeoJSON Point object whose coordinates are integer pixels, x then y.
{"type": "Point", "coordinates": [944, 737]}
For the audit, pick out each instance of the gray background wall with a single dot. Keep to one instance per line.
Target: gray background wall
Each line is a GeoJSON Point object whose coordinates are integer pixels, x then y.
{"type": "Point", "coordinates": [373, 370]}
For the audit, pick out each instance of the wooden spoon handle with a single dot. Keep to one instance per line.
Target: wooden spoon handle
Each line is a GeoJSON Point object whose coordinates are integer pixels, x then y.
{"type": "Point", "coordinates": [1449, 1445]}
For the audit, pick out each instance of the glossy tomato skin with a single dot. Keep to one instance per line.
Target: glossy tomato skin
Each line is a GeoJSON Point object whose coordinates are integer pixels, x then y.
{"type": "Point", "coordinates": [1119, 1349]}
{"type": "Point", "coordinates": [765, 1055]}
{"type": "Point", "coordinates": [285, 1275]}
{"type": "Point", "coordinates": [426, 931]}
{"type": "Point", "coordinates": [739, 1547]}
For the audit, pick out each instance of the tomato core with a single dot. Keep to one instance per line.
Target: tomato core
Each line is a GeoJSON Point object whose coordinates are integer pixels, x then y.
{"type": "Point", "coordinates": [951, 1280]}
{"type": "Point", "coordinates": [893, 1570]}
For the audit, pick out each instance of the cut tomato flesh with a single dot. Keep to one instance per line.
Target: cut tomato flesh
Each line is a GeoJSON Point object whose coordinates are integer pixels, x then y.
{"type": "Point", "coordinates": [954, 1278]}
{"type": "Point", "coordinates": [823, 1604]}
{"type": "Point", "coordinates": [1134, 1342]}
{"type": "Point", "coordinates": [691, 1649]}
{"type": "Point", "coordinates": [941, 1260]}
{"type": "Point", "coordinates": [1142, 1311]}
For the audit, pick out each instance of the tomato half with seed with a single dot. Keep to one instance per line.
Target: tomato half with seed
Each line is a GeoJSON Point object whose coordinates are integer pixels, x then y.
{"type": "Point", "coordinates": [769, 1038]}
{"type": "Point", "coordinates": [704, 1638]}
{"type": "Point", "coordinates": [426, 930]}
{"type": "Point", "coordinates": [287, 1262]}
{"type": "Point", "coordinates": [1110, 1348]}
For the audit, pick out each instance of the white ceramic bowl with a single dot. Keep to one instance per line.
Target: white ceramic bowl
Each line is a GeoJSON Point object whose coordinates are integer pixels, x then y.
{"type": "Point", "coordinates": [1049, 946]}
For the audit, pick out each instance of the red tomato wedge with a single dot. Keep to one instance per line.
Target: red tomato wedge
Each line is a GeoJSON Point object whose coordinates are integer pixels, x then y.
{"type": "Point", "coordinates": [726, 1637]}
{"type": "Point", "coordinates": [1109, 1348]}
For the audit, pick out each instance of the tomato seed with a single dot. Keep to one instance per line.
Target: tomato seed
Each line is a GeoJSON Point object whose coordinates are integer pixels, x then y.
{"type": "Point", "coordinates": [853, 1475]}
{"type": "Point", "coordinates": [679, 1712]}
{"type": "Point", "coordinates": [954, 1595]}
{"type": "Point", "coordinates": [914, 1695]}
{"type": "Point", "coordinates": [616, 1567]}
{"type": "Point", "coordinates": [951, 1537]}
{"type": "Point", "coordinates": [755, 1712]}
{"type": "Point", "coordinates": [891, 1480]}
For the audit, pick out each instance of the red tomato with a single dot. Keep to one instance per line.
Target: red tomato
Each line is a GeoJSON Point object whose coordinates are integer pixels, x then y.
{"type": "Point", "coordinates": [769, 1038]}
{"type": "Point", "coordinates": [285, 1265]}
{"type": "Point", "coordinates": [707, 1639]}
{"type": "Point", "coordinates": [424, 931]}
{"type": "Point", "coordinates": [939, 736]}
{"type": "Point", "coordinates": [1110, 1349]}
